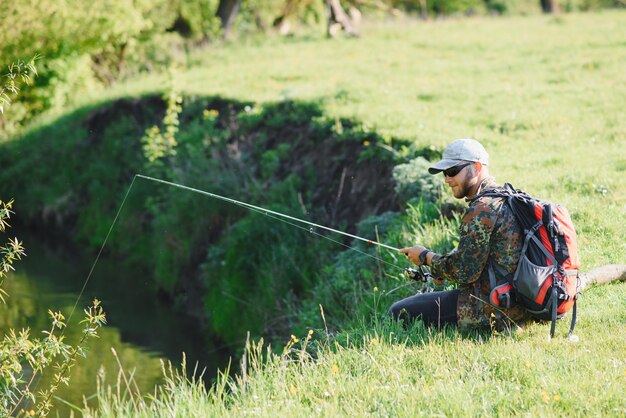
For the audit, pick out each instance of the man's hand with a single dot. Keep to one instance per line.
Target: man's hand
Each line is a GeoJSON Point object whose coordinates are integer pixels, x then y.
{"type": "Point", "coordinates": [413, 253]}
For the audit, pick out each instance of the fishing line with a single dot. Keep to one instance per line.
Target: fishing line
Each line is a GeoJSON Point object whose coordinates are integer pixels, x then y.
{"type": "Point", "coordinates": [93, 266]}
{"type": "Point", "coordinates": [101, 249]}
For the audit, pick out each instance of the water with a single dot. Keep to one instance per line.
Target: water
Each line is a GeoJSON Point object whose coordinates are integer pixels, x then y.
{"type": "Point", "coordinates": [141, 329]}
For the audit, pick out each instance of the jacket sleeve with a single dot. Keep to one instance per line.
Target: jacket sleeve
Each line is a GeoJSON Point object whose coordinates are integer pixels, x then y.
{"type": "Point", "coordinates": [467, 261]}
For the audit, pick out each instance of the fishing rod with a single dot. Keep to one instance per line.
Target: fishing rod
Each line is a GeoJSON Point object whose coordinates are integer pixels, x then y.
{"type": "Point", "coordinates": [268, 211]}
{"type": "Point", "coordinates": [422, 273]}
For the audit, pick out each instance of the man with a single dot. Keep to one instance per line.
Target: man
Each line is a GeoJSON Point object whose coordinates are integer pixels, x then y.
{"type": "Point", "coordinates": [488, 251]}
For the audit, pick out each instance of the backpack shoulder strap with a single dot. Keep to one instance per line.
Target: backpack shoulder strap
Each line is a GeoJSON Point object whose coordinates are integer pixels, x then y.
{"type": "Point", "coordinates": [505, 191]}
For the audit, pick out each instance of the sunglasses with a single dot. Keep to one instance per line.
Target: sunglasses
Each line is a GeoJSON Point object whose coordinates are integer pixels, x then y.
{"type": "Point", "coordinates": [453, 171]}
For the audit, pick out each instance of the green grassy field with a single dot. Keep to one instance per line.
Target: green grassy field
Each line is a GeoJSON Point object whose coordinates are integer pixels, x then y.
{"type": "Point", "coordinates": [546, 96]}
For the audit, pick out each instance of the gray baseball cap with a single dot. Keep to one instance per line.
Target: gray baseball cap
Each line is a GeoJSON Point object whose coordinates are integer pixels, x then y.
{"type": "Point", "coordinates": [460, 150]}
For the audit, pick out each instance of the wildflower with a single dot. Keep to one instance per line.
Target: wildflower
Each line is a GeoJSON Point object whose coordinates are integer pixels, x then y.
{"type": "Point", "coordinates": [294, 338]}
{"type": "Point", "coordinates": [493, 315]}
{"type": "Point", "coordinates": [335, 368]}
{"type": "Point", "coordinates": [310, 332]}
{"type": "Point", "coordinates": [556, 397]}
{"type": "Point", "coordinates": [545, 396]}
{"type": "Point", "coordinates": [426, 389]}
{"type": "Point", "coordinates": [366, 143]}
{"type": "Point", "coordinates": [375, 289]}
{"type": "Point", "coordinates": [527, 364]}
{"type": "Point", "coordinates": [292, 390]}
{"type": "Point", "coordinates": [210, 113]}
{"type": "Point", "coordinates": [374, 341]}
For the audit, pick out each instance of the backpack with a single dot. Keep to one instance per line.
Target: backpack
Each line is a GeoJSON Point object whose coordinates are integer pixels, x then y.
{"type": "Point", "coordinates": [546, 280]}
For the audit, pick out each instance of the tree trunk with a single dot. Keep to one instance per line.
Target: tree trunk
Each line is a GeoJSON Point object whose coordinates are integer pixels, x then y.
{"type": "Point", "coordinates": [337, 19]}
{"type": "Point", "coordinates": [424, 9]}
{"type": "Point", "coordinates": [549, 6]}
{"type": "Point", "coordinates": [227, 11]}
{"type": "Point", "coordinates": [280, 23]}
{"type": "Point", "coordinates": [603, 275]}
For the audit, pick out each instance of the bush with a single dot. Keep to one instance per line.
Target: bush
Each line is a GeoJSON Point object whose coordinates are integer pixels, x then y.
{"type": "Point", "coordinates": [413, 181]}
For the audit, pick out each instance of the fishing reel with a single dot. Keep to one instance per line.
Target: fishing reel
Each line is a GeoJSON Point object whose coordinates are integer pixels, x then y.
{"type": "Point", "coordinates": [420, 274]}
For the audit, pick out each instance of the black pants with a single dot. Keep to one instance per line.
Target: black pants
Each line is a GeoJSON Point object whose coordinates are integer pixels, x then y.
{"type": "Point", "coordinates": [434, 308]}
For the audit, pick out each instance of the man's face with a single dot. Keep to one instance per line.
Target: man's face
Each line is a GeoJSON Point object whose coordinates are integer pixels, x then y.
{"type": "Point", "coordinates": [462, 182]}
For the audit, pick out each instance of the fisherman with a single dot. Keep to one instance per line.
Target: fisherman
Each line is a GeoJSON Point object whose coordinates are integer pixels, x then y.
{"type": "Point", "coordinates": [489, 243]}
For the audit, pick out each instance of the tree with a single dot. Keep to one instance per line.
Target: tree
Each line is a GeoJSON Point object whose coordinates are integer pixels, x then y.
{"type": "Point", "coordinates": [549, 6]}
{"type": "Point", "coordinates": [227, 11]}
{"type": "Point", "coordinates": [337, 19]}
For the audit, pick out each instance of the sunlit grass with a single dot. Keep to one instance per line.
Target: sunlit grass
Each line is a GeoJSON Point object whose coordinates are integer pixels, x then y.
{"type": "Point", "coordinates": [388, 370]}
{"type": "Point", "coordinates": [544, 94]}
{"type": "Point", "coordinates": [546, 97]}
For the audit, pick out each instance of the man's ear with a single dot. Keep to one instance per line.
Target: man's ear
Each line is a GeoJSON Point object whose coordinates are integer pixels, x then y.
{"type": "Point", "coordinates": [478, 167]}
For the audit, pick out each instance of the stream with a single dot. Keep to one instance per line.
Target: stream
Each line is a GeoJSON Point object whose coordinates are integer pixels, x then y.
{"type": "Point", "coordinates": [141, 329]}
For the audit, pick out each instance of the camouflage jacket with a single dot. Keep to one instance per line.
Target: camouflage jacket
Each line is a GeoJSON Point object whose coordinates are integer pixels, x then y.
{"type": "Point", "coordinates": [488, 234]}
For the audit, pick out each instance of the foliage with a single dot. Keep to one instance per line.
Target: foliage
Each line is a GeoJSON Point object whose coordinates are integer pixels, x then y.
{"type": "Point", "coordinates": [11, 252]}
{"type": "Point", "coordinates": [197, 19]}
{"type": "Point", "coordinates": [88, 47]}
{"type": "Point", "coordinates": [19, 73]}
{"type": "Point", "coordinates": [413, 181]}
{"type": "Point", "coordinates": [23, 358]}
{"type": "Point", "coordinates": [158, 145]}
{"type": "Point", "coordinates": [513, 7]}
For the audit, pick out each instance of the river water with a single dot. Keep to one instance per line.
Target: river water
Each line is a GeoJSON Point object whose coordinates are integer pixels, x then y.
{"type": "Point", "coordinates": [141, 329]}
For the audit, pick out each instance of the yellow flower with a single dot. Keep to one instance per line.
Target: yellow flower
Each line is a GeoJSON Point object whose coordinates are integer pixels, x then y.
{"type": "Point", "coordinates": [493, 315]}
{"type": "Point", "coordinates": [527, 364]}
{"type": "Point", "coordinates": [545, 396]}
{"type": "Point", "coordinates": [292, 390]}
{"type": "Point", "coordinates": [294, 338]}
{"type": "Point", "coordinates": [335, 368]}
{"type": "Point", "coordinates": [310, 332]}
{"type": "Point", "coordinates": [374, 341]}
{"type": "Point", "coordinates": [426, 389]}
{"type": "Point", "coordinates": [556, 397]}
{"type": "Point", "coordinates": [366, 143]}
{"type": "Point", "coordinates": [375, 289]}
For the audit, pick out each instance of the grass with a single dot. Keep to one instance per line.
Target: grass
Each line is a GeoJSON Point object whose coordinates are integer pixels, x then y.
{"type": "Point", "coordinates": [546, 97]}
{"type": "Point", "coordinates": [416, 372]}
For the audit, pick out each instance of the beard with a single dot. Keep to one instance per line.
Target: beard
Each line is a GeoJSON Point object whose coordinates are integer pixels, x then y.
{"type": "Point", "coordinates": [464, 188]}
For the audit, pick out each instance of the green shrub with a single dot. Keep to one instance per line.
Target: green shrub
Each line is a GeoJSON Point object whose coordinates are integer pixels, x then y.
{"type": "Point", "coordinates": [412, 181]}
